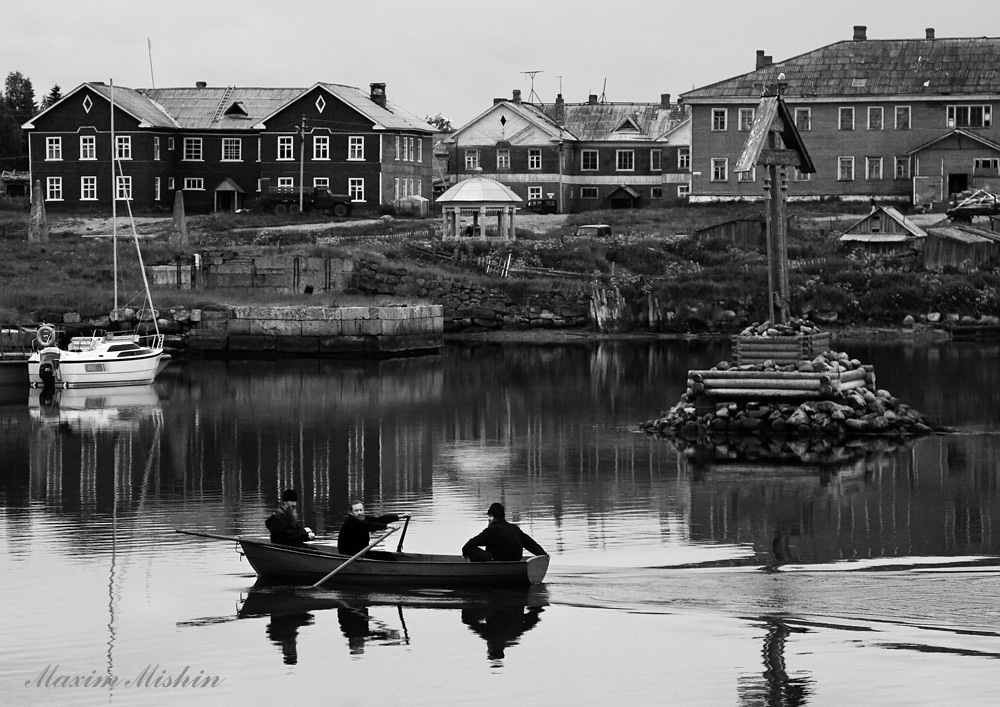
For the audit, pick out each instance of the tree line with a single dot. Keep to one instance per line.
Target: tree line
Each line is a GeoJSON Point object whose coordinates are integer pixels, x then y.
{"type": "Point", "coordinates": [17, 107]}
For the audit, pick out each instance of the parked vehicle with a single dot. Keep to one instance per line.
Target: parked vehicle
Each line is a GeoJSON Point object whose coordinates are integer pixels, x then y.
{"type": "Point", "coordinates": [542, 206]}
{"type": "Point", "coordinates": [594, 230]}
{"type": "Point", "coordinates": [283, 200]}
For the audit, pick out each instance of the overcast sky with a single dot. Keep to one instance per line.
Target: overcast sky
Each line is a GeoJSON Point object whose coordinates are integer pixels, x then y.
{"type": "Point", "coordinates": [449, 56]}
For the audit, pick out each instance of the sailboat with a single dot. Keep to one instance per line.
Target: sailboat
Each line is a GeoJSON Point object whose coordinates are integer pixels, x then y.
{"type": "Point", "coordinates": [104, 358]}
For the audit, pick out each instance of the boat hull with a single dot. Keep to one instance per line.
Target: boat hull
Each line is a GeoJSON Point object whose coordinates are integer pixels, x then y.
{"type": "Point", "coordinates": [92, 369]}
{"type": "Point", "coordinates": [311, 562]}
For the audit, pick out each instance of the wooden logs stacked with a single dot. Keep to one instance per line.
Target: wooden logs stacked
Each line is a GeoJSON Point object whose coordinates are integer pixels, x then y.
{"type": "Point", "coordinates": [783, 344]}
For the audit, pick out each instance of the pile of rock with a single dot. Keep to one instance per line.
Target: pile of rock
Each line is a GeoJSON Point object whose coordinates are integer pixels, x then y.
{"type": "Point", "coordinates": [795, 327]}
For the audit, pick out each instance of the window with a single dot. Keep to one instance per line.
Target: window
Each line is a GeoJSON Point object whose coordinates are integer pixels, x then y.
{"type": "Point", "coordinates": [88, 147]}
{"type": "Point", "coordinates": [53, 189]}
{"type": "Point", "coordinates": [413, 148]}
{"type": "Point", "coordinates": [683, 191]}
{"type": "Point", "coordinates": [420, 150]}
{"type": "Point", "coordinates": [170, 184]}
{"type": "Point", "coordinates": [902, 117]}
{"type": "Point", "coordinates": [356, 188]}
{"type": "Point", "coordinates": [395, 189]}
{"type": "Point", "coordinates": [321, 147]}
{"type": "Point", "coordinates": [873, 169]}
{"type": "Point", "coordinates": [285, 147]}
{"type": "Point", "coordinates": [683, 158]}
{"type": "Point", "coordinates": [969, 117]}
{"type": "Point", "coordinates": [801, 176]}
{"type": "Point", "coordinates": [845, 169]}
{"type": "Point", "coordinates": [588, 160]}
{"type": "Point", "coordinates": [503, 158]}
{"type": "Point", "coordinates": [123, 188]}
{"type": "Point", "coordinates": [534, 158]}
{"type": "Point", "coordinates": [983, 165]}
{"type": "Point", "coordinates": [534, 193]}
{"type": "Point", "coordinates": [803, 118]}
{"type": "Point", "coordinates": [902, 170]}
{"type": "Point", "coordinates": [746, 119]}
{"type": "Point", "coordinates": [588, 193]}
{"type": "Point", "coordinates": [286, 181]}
{"type": "Point", "coordinates": [53, 148]}
{"type": "Point", "coordinates": [192, 149]}
{"type": "Point", "coordinates": [321, 182]}
{"type": "Point", "coordinates": [156, 148]}
{"type": "Point", "coordinates": [655, 160]}
{"type": "Point", "coordinates": [170, 143]}
{"type": "Point", "coordinates": [156, 188]}
{"type": "Point", "coordinates": [232, 149]}
{"type": "Point", "coordinates": [355, 148]}
{"type": "Point", "coordinates": [194, 184]}
{"type": "Point", "coordinates": [875, 114]}
{"type": "Point", "coordinates": [471, 159]}
{"type": "Point", "coordinates": [720, 118]}
{"type": "Point", "coordinates": [720, 169]}
{"type": "Point", "coordinates": [88, 188]}
{"type": "Point", "coordinates": [656, 192]}
{"type": "Point", "coordinates": [749, 176]}
{"type": "Point", "coordinates": [625, 160]}
{"type": "Point", "coordinates": [397, 147]}
{"type": "Point", "coordinates": [846, 120]}
{"type": "Point", "coordinates": [420, 187]}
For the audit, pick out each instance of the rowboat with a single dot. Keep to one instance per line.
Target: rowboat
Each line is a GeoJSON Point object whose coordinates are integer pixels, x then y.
{"type": "Point", "coordinates": [311, 562]}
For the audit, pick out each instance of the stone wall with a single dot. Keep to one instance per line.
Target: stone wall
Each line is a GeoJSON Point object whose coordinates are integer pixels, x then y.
{"type": "Point", "coordinates": [472, 307]}
{"type": "Point", "coordinates": [281, 274]}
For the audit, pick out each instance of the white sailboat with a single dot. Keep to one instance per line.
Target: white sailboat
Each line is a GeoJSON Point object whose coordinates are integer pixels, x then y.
{"type": "Point", "coordinates": [103, 358]}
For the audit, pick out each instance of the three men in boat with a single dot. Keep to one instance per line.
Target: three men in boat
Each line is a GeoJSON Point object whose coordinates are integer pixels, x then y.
{"type": "Point", "coordinates": [501, 540]}
{"type": "Point", "coordinates": [284, 524]}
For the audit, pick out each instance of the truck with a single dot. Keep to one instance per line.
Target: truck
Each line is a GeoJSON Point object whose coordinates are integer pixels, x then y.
{"type": "Point", "coordinates": [282, 200]}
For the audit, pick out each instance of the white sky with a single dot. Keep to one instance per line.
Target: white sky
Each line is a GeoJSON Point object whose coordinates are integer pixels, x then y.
{"type": "Point", "coordinates": [449, 56]}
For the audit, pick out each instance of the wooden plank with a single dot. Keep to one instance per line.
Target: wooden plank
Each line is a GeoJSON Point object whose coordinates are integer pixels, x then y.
{"type": "Point", "coordinates": [759, 375]}
{"type": "Point", "coordinates": [780, 157]}
{"type": "Point", "coordinates": [758, 393]}
{"type": "Point", "coordinates": [763, 384]}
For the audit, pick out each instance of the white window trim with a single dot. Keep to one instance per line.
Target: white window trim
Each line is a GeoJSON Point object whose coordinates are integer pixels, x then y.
{"type": "Point", "coordinates": [534, 152]}
{"type": "Point", "coordinates": [851, 160]}
{"type": "Point", "coordinates": [742, 112]}
{"type": "Point", "coordinates": [724, 114]}
{"type": "Point", "coordinates": [194, 184]}
{"type": "Point", "coordinates": [807, 112]}
{"type": "Point", "coordinates": [869, 163]}
{"type": "Point", "coordinates": [53, 145]}
{"type": "Point", "coordinates": [83, 189]}
{"type": "Point", "coordinates": [534, 193]}
{"type": "Point", "coordinates": [584, 191]}
{"type": "Point", "coordinates": [725, 166]}
{"type": "Point", "coordinates": [88, 140]}
{"type": "Point", "coordinates": [471, 159]}
{"type": "Point", "coordinates": [353, 182]}
{"type": "Point", "coordinates": [747, 177]}
{"type": "Point", "coordinates": [505, 164]}
{"type": "Point", "coordinates": [597, 160]}
{"type": "Point", "coordinates": [618, 160]}
{"type": "Point", "coordinates": [123, 188]}
{"type": "Point", "coordinates": [193, 142]}
{"type": "Point", "coordinates": [909, 117]}
{"type": "Point", "coordinates": [684, 157]}
{"type": "Point", "coordinates": [53, 185]}
{"type": "Point", "coordinates": [321, 146]}
{"type": "Point", "coordinates": [321, 182]}
{"type": "Point", "coordinates": [840, 112]}
{"type": "Point", "coordinates": [156, 189]}
{"type": "Point", "coordinates": [895, 167]}
{"type": "Point", "coordinates": [951, 119]}
{"type": "Point", "coordinates": [156, 148]}
{"type": "Point", "coordinates": [876, 110]}
{"type": "Point", "coordinates": [683, 190]}
{"type": "Point", "coordinates": [286, 181]}
{"type": "Point", "coordinates": [286, 145]}
{"type": "Point", "coordinates": [658, 153]}
{"type": "Point", "coordinates": [356, 148]}
{"type": "Point", "coordinates": [239, 149]}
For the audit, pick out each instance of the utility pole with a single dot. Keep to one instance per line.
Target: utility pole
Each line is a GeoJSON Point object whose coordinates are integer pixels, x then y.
{"type": "Point", "coordinates": [302, 163]}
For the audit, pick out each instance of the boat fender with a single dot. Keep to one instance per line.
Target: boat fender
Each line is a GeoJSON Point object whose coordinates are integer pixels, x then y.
{"type": "Point", "coordinates": [45, 336]}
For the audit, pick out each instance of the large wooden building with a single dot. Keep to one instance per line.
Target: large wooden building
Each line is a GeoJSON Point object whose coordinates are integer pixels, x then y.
{"type": "Point", "coordinates": [593, 155]}
{"type": "Point", "coordinates": [897, 119]}
{"type": "Point", "coordinates": [218, 145]}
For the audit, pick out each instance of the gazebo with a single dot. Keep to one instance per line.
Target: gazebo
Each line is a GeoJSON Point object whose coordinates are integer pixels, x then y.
{"type": "Point", "coordinates": [479, 196]}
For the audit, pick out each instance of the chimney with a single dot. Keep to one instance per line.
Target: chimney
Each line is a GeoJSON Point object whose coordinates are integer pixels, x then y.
{"type": "Point", "coordinates": [760, 60]}
{"type": "Point", "coordinates": [768, 60]}
{"type": "Point", "coordinates": [930, 33]}
{"type": "Point", "coordinates": [498, 100]}
{"type": "Point", "coordinates": [592, 99]}
{"type": "Point", "coordinates": [201, 84]}
{"type": "Point", "coordinates": [860, 33]}
{"type": "Point", "coordinates": [517, 95]}
{"type": "Point", "coordinates": [378, 93]}
{"type": "Point", "coordinates": [665, 100]}
{"type": "Point", "coordinates": [559, 112]}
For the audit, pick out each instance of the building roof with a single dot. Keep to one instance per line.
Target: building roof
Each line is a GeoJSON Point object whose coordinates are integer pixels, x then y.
{"type": "Point", "coordinates": [875, 67]}
{"type": "Point", "coordinates": [859, 228]}
{"type": "Point", "coordinates": [616, 122]}
{"type": "Point", "coordinates": [963, 233]}
{"type": "Point", "coordinates": [479, 190]}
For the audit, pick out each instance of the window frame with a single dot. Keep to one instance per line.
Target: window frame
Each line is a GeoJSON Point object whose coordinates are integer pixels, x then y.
{"type": "Point", "coordinates": [356, 189]}
{"type": "Point", "coordinates": [656, 160]}
{"type": "Point", "coordinates": [901, 162]}
{"type": "Point", "coordinates": [843, 111]}
{"type": "Point", "coordinates": [870, 163]}
{"type": "Point", "coordinates": [123, 187]}
{"type": "Point", "coordinates": [588, 192]}
{"type": "Point", "coordinates": [741, 119]}
{"type": "Point", "coordinates": [321, 148]}
{"type": "Point", "coordinates": [286, 182]}
{"type": "Point", "coordinates": [880, 112]}
{"type": "Point", "coordinates": [227, 146]}
{"type": "Point", "coordinates": [684, 157]}
{"type": "Point", "coordinates": [587, 154]}
{"type": "Point", "coordinates": [656, 192]}
{"type": "Point", "coordinates": [471, 160]}
{"type": "Point", "coordinates": [356, 149]}
{"type": "Point", "coordinates": [88, 185]}
{"type": "Point", "coordinates": [626, 157]}
{"type": "Point", "coordinates": [194, 184]}
{"type": "Point", "coordinates": [683, 191]}
{"type": "Point", "coordinates": [53, 151]}
{"type": "Point", "coordinates": [534, 193]}
{"type": "Point", "coordinates": [321, 182]}
{"type": "Point", "coordinates": [156, 148]}
{"type": "Point", "coordinates": [900, 110]}
{"type": "Point", "coordinates": [747, 177]}
{"type": "Point", "coordinates": [720, 166]}
{"type": "Point", "coordinates": [720, 120]}
{"type": "Point", "coordinates": [193, 150]}
{"type": "Point", "coordinates": [53, 189]}
{"type": "Point", "coordinates": [842, 161]}
{"type": "Point", "coordinates": [534, 158]}
{"type": "Point", "coordinates": [286, 148]}
{"type": "Point", "coordinates": [951, 115]}
{"type": "Point", "coordinates": [503, 158]}
{"type": "Point", "coordinates": [806, 124]}
{"type": "Point", "coordinates": [88, 148]}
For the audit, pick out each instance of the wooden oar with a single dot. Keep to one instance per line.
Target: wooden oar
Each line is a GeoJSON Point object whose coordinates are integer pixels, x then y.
{"type": "Point", "coordinates": [399, 548]}
{"type": "Point", "coordinates": [372, 544]}
{"type": "Point", "coordinates": [231, 538]}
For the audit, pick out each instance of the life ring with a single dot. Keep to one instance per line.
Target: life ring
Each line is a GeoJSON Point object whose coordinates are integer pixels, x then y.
{"type": "Point", "coordinates": [45, 336]}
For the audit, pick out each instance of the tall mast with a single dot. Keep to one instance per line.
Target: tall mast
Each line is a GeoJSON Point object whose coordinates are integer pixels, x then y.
{"type": "Point", "coordinates": [114, 198]}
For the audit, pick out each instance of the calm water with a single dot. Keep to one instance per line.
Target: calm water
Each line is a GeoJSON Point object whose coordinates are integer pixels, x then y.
{"type": "Point", "coordinates": [866, 574]}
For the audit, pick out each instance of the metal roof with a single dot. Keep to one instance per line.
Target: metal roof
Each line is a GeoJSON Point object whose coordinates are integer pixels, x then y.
{"type": "Point", "coordinates": [875, 67]}
{"type": "Point", "coordinates": [479, 190]}
{"type": "Point", "coordinates": [876, 237]}
{"type": "Point", "coordinates": [616, 122]}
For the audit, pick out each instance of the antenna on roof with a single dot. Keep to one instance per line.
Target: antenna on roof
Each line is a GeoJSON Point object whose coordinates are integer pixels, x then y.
{"type": "Point", "coordinates": [149, 46]}
{"type": "Point", "coordinates": [560, 84]}
{"type": "Point", "coordinates": [604, 99]}
{"type": "Point", "coordinates": [532, 74]}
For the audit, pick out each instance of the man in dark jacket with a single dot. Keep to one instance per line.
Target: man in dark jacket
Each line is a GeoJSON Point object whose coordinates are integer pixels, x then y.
{"type": "Point", "coordinates": [502, 540]}
{"type": "Point", "coordinates": [355, 533]}
{"type": "Point", "coordinates": [285, 527]}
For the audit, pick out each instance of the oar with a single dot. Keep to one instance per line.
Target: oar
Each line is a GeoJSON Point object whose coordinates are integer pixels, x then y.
{"type": "Point", "coordinates": [372, 544]}
{"type": "Point", "coordinates": [231, 538]}
{"type": "Point", "coordinates": [399, 548]}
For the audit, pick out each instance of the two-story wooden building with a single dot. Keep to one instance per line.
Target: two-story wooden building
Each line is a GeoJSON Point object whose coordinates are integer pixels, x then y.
{"type": "Point", "coordinates": [586, 156]}
{"type": "Point", "coordinates": [218, 145]}
{"type": "Point", "coordinates": [896, 119]}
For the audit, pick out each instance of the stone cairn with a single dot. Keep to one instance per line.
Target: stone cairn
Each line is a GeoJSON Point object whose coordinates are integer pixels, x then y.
{"type": "Point", "coordinates": [829, 395]}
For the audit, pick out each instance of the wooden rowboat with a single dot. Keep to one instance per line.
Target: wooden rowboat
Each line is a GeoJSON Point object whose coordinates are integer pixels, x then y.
{"type": "Point", "coordinates": [311, 562]}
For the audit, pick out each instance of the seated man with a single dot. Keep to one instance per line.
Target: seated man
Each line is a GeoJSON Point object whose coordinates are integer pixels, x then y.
{"type": "Point", "coordinates": [355, 533]}
{"type": "Point", "coordinates": [285, 527]}
{"type": "Point", "coordinates": [502, 540]}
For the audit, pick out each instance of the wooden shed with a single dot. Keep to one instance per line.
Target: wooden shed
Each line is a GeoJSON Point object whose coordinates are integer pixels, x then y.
{"type": "Point", "coordinates": [960, 246]}
{"type": "Point", "coordinates": [746, 232]}
{"type": "Point", "coordinates": [885, 231]}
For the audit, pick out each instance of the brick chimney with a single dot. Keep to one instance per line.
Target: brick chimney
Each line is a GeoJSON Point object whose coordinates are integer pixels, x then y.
{"type": "Point", "coordinates": [559, 111]}
{"type": "Point", "coordinates": [860, 33]}
{"type": "Point", "coordinates": [665, 100]}
{"type": "Point", "coordinates": [517, 95]}
{"type": "Point", "coordinates": [762, 60]}
{"type": "Point", "coordinates": [592, 99]}
{"type": "Point", "coordinates": [200, 84]}
{"type": "Point", "coordinates": [378, 93]}
{"type": "Point", "coordinates": [930, 33]}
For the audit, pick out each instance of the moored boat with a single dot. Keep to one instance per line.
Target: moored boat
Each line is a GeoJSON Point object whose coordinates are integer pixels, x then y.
{"type": "Point", "coordinates": [311, 562]}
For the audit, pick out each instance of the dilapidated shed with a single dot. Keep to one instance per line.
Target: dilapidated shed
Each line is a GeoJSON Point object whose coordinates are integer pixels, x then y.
{"type": "Point", "coordinates": [746, 232]}
{"type": "Point", "coordinates": [885, 231]}
{"type": "Point", "coordinates": [961, 246]}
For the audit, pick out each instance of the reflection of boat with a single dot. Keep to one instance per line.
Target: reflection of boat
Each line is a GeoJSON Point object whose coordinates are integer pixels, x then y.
{"type": "Point", "coordinates": [313, 561]}
{"type": "Point", "coordinates": [103, 358]}
{"type": "Point", "coordinates": [95, 408]}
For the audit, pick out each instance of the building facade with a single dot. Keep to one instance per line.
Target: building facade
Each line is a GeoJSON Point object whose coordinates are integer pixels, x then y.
{"type": "Point", "coordinates": [222, 146]}
{"type": "Point", "coordinates": [592, 155]}
{"type": "Point", "coordinates": [898, 120]}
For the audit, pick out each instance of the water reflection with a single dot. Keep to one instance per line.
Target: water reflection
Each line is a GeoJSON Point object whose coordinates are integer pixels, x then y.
{"type": "Point", "coordinates": [499, 616]}
{"type": "Point", "coordinates": [775, 687]}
